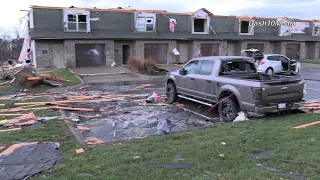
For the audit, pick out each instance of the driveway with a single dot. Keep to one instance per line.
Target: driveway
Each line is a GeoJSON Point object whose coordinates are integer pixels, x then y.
{"type": "Point", "coordinates": [311, 74]}
{"type": "Point", "coordinates": [128, 77]}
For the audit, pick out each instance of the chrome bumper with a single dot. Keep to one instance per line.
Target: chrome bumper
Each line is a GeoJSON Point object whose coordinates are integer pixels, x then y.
{"type": "Point", "coordinates": [274, 108]}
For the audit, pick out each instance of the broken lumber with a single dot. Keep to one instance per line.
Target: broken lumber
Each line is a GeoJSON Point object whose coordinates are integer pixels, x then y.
{"type": "Point", "coordinates": [72, 109]}
{"type": "Point", "coordinates": [84, 86]}
{"type": "Point", "coordinates": [34, 78]}
{"type": "Point", "coordinates": [306, 125]}
{"type": "Point", "coordinates": [101, 74]}
{"type": "Point", "coordinates": [6, 82]}
{"type": "Point", "coordinates": [13, 129]}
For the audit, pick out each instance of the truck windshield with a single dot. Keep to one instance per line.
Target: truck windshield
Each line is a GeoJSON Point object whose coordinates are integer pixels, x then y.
{"type": "Point", "coordinates": [237, 67]}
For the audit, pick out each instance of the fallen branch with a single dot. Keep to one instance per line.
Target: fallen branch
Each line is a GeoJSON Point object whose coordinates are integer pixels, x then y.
{"type": "Point", "coordinates": [306, 125]}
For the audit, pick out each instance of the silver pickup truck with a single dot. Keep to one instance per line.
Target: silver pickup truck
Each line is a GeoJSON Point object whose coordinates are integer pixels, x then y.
{"type": "Point", "coordinates": [234, 82]}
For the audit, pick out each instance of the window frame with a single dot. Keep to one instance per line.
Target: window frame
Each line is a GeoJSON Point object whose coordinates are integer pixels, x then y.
{"type": "Point", "coordinates": [145, 17]}
{"type": "Point", "coordinates": [77, 23]}
{"type": "Point", "coordinates": [197, 66]}
{"type": "Point", "coordinates": [202, 63]}
{"type": "Point", "coordinates": [273, 59]}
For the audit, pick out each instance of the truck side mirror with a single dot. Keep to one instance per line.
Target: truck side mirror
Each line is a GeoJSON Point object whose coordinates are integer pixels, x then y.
{"type": "Point", "coordinates": [182, 72]}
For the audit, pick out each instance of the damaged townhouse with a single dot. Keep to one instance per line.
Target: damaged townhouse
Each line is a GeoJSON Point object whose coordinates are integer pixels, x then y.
{"type": "Point", "coordinates": [88, 37]}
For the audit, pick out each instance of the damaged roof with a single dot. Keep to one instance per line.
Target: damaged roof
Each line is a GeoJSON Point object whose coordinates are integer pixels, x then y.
{"type": "Point", "coordinates": [163, 12]}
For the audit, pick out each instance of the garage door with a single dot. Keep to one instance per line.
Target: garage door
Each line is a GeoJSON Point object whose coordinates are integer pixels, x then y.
{"type": "Point", "coordinates": [209, 49]}
{"type": "Point", "coordinates": [157, 52]}
{"type": "Point", "coordinates": [292, 51]}
{"type": "Point", "coordinates": [256, 46]}
{"type": "Point", "coordinates": [90, 55]}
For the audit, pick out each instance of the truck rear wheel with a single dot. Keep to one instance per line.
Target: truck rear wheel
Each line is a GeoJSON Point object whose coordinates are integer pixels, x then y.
{"type": "Point", "coordinates": [171, 93]}
{"type": "Point", "coordinates": [228, 110]}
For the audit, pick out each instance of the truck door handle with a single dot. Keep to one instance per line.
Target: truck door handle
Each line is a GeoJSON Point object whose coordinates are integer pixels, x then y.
{"type": "Point", "coordinates": [207, 81]}
{"type": "Point", "coordinates": [191, 78]}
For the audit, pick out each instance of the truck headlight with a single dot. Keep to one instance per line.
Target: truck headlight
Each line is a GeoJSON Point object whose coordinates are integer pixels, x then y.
{"type": "Point", "coordinates": [256, 93]}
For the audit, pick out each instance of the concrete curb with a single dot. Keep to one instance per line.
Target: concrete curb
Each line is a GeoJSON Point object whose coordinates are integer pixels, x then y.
{"type": "Point", "coordinates": [74, 130]}
{"type": "Point", "coordinates": [82, 83]}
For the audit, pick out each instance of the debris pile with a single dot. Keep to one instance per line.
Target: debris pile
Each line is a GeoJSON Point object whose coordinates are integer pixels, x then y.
{"type": "Point", "coordinates": [27, 77]}
{"type": "Point", "coordinates": [310, 106]}
{"type": "Point", "coordinates": [146, 66]}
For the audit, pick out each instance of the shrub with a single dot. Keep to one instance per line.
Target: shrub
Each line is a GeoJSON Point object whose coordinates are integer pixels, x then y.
{"type": "Point", "coordinates": [135, 63]}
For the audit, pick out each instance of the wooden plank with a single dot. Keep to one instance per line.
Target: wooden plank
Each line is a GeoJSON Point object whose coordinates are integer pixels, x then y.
{"type": "Point", "coordinates": [306, 125]}
{"type": "Point", "coordinates": [72, 109]}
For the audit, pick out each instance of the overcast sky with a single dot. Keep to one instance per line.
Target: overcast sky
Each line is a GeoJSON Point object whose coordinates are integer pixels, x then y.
{"type": "Point", "coordinates": [10, 10]}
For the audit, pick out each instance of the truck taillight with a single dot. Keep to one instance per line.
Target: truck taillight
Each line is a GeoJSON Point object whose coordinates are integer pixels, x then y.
{"type": "Point", "coordinates": [262, 62]}
{"type": "Point", "coordinates": [256, 93]}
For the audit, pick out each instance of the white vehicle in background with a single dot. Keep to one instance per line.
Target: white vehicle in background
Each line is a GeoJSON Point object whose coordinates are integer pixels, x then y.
{"type": "Point", "coordinates": [273, 63]}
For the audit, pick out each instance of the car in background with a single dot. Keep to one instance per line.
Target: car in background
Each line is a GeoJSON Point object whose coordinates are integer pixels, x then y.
{"type": "Point", "coordinates": [273, 63]}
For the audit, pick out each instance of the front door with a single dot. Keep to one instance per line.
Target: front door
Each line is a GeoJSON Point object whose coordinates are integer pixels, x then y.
{"type": "Point", "coordinates": [125, 53]}
{"type": "Point", "coordinates": [205, 81]}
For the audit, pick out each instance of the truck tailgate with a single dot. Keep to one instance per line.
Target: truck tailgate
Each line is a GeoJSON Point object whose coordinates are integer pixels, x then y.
{"type": "Point", "coordinates": [282, 91]}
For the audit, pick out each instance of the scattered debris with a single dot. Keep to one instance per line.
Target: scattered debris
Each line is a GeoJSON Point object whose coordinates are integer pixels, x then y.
{"type": "Point", "coordinates": [281, 173]}
{"type": "Point", "coordinates": [262, 154]}
{"type": "Point", "coordinates": [177, 158]}
{"type": "Point", "coordinates": [310, 106]}
{"type": "Point", "coordinates": [33, 158]}
{"type": "Point", "coordinates": [83, 87]}
{"type": "Point", "coordinates": [136, 157]}
{"type": "Point", "coordinates": [78, 151]}
{"type": "Point", "coordinates": [144, 86]}
{"type": "Point", "coordinates": [241, 117]}
{"type": "Point", "coordinates": [152, 98]}
{"type": "Point", "coordinates": [82, 128]}
{"type": "Point", "coordinates": [277, 137]}
{"type": "Point", "coordinates": [306, 125]}
{"type": "Point", "coordinates": [2, 148]}
{"type": "Point", "coordinates": [93, 140]}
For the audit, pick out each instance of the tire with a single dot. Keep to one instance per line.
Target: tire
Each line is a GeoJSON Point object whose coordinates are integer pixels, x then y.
{"type": "Point", "coordinates": [228, 110]}
{"type": "Point", "coordinates": [269, 71]}
{"type": "Point", "coordinates": [171, 93]}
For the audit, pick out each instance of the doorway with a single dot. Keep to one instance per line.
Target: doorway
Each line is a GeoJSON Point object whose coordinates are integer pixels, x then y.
{"type": "Point", "coordinates": [125, 53]}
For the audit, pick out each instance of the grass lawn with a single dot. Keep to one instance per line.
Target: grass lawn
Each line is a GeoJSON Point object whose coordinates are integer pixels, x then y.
{"type": "Point", "coordinates": [202, 148]}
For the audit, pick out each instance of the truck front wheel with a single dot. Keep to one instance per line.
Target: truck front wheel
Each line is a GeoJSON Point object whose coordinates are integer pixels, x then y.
{"type": "Point", "coordinates": [171, 93]}
{"type": "Point", "coordinates": [228, 110]}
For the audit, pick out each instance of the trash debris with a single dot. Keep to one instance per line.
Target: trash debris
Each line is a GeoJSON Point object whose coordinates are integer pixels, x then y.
{"type": "Point", "coordinates": [144, 86]}
{"type": "Point", "coordinates": [241, 117]}
{"type": "Point", "coordinates": [223, 143]}
{"type": "Point", "coordinates": [152, 98]}
{"type": "Point", "coordinates": [83, 87]}
{"type": "Point", "coordinates": [82, 128]}
{"type": "Point", "coordinates": [177, 158]}
{"type": "Point", "coordinates": [136, 157]}
{"type": "Point", "coordinates": [310, 106]}
{"type": "Point", "coordinates": [163, 128]}
{"type": "Point", "coordinates": [281, 173]}
{"type": "Point", "coordinates": [78, 151]}
{"type": "Point", "coordinates": [262, 154]}
{"type": "Point", "coordinates": [2, 148]}
{"type": "Point", "coordinates": [93, 140]}
{"type": "Point", "coordinates": [33, 158]}
{"type": "Point", "coordinates": [277, 137]}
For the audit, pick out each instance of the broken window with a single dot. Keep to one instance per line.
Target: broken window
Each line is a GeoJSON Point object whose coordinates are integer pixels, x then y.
{"type": "Point", "coordinates": [145, 22]}
{"type": "Point", "coordinates": [199, 25]}
{"type": "Point", "coordinates": [77, 22]}
{"type": "Point", "coordinates": [245, 28]}
{"type": "Point", "coordinates": [316, 31]}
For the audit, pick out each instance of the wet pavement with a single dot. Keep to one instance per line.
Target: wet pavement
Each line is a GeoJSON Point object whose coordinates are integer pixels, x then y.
{"type": "Point", "coordinates": [131, 118]}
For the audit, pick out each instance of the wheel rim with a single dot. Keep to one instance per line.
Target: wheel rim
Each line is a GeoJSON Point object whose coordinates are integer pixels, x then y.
{"type": "Point", "coordinates": [227, 110]}
{"type": "Point", "coordinates": [269, 71]}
